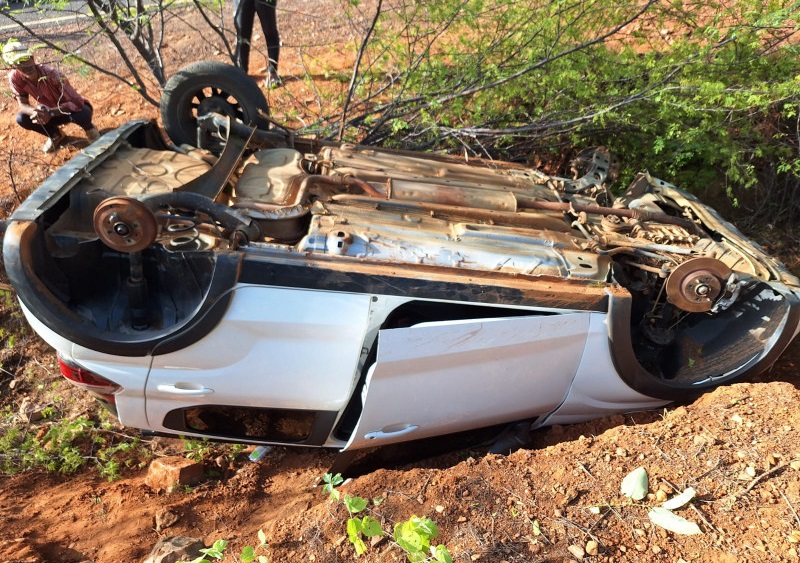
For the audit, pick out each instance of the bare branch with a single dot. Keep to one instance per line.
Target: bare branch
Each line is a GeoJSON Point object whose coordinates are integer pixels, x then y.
{"type": "Point", "coordinates": [356, 65]}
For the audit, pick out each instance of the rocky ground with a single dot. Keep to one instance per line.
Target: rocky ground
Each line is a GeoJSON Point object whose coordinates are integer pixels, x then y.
{"type": "Point", "coordinates": [558, 499]}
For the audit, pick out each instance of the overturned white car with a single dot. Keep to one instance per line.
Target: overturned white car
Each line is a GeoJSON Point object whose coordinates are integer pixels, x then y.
{"type": "Point", "coordinates": [299, 292]}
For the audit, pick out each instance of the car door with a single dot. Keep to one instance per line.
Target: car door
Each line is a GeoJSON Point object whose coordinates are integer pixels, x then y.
{"type": "Point", "coordinates": [279, 367]}
{"type": "Point", "coordinates": [442, 377]}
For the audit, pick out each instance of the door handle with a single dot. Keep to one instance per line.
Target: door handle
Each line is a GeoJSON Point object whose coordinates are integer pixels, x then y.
{"type": "Point", "coordinates": [391, 431]}
{"type": "Point", "coordinates": [185, 389]}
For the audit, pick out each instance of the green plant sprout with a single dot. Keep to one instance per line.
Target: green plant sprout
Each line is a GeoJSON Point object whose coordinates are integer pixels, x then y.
{"type": "Point", "coordinates": [248, 555]}
{"type": "Point", "coordinates": [412, 536]}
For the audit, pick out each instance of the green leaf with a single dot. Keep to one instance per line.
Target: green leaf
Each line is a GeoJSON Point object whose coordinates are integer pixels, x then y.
{"type": "Point", "coordinates": [679, 500]}
{"type": "Point", "coordinates": [217, 551]}
{"type": "Point", "coordinates": [262, 538]}
{"type": "Point", "coordinates": [354, 535]}
{"type": "Point", "coordinates": [424, 526]}
{"type": "Point", "coordinates": [635, 485]}
{"type": "Point", "coordinates": [354, 505]}
{"type": "Point", "coordinates": [331, 481]}
{"type": "Point", "coordinates": [672, 522]}
{"type": "Point", "coordinates": [441, 555]}
{"type": "Point", "coordinates": [353, 527]}
{"type": "Point", "coordinates": [370, 527]}
{"type": "Point", "coordinates": [407, 538]}
{"type": "Point", "coordinates": [248, 554]}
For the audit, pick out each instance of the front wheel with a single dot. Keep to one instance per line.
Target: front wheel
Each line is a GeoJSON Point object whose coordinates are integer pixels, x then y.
{"type": "Point", "coordinates": [209, 87]}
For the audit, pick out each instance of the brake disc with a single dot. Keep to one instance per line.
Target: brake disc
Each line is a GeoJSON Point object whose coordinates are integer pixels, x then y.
{"type": "Point", "coordinates": [125, 224]}
{"type": "Point", "coordinates": [696, 284]}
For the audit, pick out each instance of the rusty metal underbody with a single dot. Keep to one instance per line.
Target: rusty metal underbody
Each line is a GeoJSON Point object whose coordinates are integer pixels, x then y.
{"type": "Point", "coordinates": [388, 207]}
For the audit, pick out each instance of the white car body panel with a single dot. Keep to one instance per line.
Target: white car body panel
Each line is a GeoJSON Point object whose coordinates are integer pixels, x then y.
{"type": "Point", "coordinates": [295, 349]}
{"type": "Point", "coordinates": [127, 372]}
{"type": "Point", "coordinates": [442, 377]}
{"type": "Point", "coordinates": [597, 388]}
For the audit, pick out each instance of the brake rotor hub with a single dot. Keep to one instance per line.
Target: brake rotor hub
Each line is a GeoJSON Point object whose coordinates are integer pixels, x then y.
{"type": "Point", "coordinates": [125, 224]}
{"type": "Point", "coordinates": [696, 284]}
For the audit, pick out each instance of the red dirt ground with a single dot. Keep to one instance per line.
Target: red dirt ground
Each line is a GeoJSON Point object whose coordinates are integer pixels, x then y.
{"type": "Point", "coordinates": [736, 446]}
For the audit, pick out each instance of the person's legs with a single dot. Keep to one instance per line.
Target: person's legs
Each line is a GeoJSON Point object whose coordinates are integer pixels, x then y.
{"type": "Point", "coordinates": [266, 10]}
{"type": "Point", "coordinates": [243, 22]}
{"type": "Point", "coordinates": [51, 131]}
{"type": "Point", "coordinates": [83, 118]}
{"type": "Point", "coordinates": [267, 15]}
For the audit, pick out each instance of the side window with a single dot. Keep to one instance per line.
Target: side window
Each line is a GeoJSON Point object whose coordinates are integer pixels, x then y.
{"type": "Point", "coordinates": [246, 423]}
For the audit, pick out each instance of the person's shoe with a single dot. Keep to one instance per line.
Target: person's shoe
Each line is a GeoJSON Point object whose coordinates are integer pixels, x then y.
{"type": "Point", "coordinates": [52, 143]}
{"type": "Point", "coordinates": [272, 80]}
{"type": "Point", "coordinates": [92, 134]}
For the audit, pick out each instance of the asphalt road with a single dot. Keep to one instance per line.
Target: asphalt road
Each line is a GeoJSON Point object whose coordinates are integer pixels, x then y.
{"type": "Point", "coordinates": [33, 17]}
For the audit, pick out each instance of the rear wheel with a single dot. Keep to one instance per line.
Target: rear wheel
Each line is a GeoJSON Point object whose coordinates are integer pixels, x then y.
{"type": "Point", "coordinates": [209, 87]}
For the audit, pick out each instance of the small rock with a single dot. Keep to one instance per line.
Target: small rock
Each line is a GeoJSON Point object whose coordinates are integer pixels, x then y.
{"type": "Point", "coordinates": [29, 411]}
{"type": "Point", "coordinates": [169, 473]}
{"type": "Point", "coordinates": [439, 508]}
{"type": "Point", "coordinates": [592, 547]}
{"type": "Point", "coordinates": [174, 549]}
{"type": "Point", "coordinates": [661, 496]}
{"type": "Point", "coordinates": [164, 519]}
{"type": "Point", "coordinates": [577, 552]}
{"type": "Point", "coordinates": [461, 519]}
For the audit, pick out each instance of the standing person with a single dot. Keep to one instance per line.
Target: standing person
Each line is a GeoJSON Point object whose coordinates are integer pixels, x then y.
{"type": "Point", "coordinates": [244, 12]}
{"type": "Point", "coordinates": [57, 102]}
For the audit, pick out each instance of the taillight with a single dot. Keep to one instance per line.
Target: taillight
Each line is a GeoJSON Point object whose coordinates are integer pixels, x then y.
{"type": "Point", "coordinates": [104, 389]}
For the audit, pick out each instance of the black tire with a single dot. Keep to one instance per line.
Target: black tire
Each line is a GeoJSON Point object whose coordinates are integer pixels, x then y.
{"type": "Point", "coordinates": [205, 87]}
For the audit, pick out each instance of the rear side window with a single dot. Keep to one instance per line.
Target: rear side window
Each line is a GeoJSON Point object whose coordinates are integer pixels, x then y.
{"type": "Point", "coordinates": [280, 425]}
